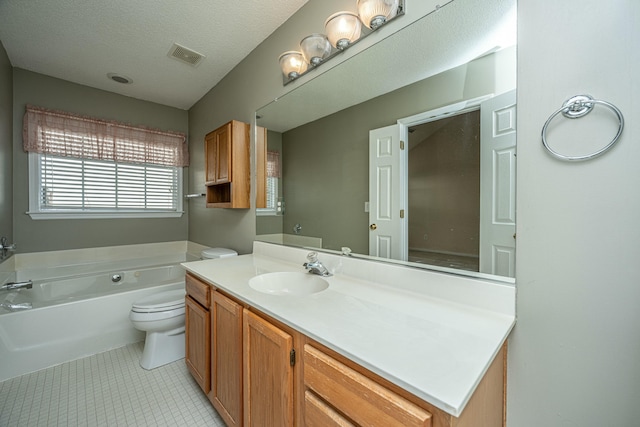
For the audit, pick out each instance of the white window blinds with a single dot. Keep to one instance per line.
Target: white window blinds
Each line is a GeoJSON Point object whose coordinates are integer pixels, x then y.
{"type": "Point", "coordinates": [78, 184]}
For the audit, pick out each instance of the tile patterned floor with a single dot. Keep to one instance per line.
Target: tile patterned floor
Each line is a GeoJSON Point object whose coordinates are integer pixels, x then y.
{"type": "Point", "coordinates": [106, 389]}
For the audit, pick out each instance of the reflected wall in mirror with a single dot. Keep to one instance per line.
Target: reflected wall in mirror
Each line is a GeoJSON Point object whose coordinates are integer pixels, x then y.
{"type": "Point", "coordinates": [444, 192]}
{"type": "Point", "coordinates": [325, 169]}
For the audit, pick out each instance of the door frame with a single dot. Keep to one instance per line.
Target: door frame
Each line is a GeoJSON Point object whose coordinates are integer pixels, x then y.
{"type": "Point", "coordinates": [419, 119]}
{"type": "Point", "coordinates": [440, 113]}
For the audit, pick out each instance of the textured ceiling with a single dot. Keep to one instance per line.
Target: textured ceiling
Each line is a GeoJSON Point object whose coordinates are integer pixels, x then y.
{"type": "Point", "coordinates": [83, 40]}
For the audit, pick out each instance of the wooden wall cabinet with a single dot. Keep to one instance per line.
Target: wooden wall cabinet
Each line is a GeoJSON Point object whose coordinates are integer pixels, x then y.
{"type": "Point", "coordinates": [227, 166]}
{"type": "Point", "coordinates": [197, 331]}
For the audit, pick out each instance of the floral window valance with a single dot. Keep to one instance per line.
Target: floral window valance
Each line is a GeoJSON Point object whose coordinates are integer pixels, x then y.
{"type": "Point", "coordinates": [69, 135]}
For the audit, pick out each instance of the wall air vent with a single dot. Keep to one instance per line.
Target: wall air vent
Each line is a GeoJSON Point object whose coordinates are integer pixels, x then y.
{"type": "Point", "coordinates": [185, 55]}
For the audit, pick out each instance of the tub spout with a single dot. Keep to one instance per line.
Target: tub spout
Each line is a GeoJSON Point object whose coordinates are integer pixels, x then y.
{"type": "Point", "coordinates": [16, 307]}
{"type": "Point", "coordinates": [27, 284]}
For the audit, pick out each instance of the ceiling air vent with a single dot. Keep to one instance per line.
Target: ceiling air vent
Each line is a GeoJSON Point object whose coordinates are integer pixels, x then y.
{"type": "Point", "coordinates": [185, 55]}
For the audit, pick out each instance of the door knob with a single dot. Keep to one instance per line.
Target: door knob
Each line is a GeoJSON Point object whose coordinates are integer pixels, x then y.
{"type": "Point", "coordinates": [373, 226]}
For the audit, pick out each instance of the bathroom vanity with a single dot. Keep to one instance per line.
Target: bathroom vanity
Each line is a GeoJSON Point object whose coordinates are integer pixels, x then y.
{"type": "Point", "coordinates": [374, 344]}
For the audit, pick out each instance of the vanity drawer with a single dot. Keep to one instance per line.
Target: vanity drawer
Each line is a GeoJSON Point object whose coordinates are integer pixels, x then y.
{"type": "Point", "coordinates": [357, 397]}
{"type": "Point", "coordinates": [318, 414]}
{"type": "Point", "coordinates": [198, 290]}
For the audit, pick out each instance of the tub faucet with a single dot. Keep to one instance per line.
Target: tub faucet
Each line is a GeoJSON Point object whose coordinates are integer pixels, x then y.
{"type": "Point", "coordinates": [27, 284]}
{"type": "Point", "coordinates": [5, 247]}
{"type": "Point", "coordinates": [16, 307]}
{"type": "Point", "coordinates": [314, 266]}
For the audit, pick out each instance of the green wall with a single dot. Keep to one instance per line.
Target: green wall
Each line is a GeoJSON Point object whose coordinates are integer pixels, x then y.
{"type": "Point", "coordinates": [6, 148]}
{"type": "Point", "coordinates": [59, 234]}
{"type": "Point", "coordinates": [253, 83]}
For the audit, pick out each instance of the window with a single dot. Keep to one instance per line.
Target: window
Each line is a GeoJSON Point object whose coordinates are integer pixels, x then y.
{"type": "Point", "coordinates": [80, 170]}
{"type": "Point", "coordinates": [272, 192]}
{"type": "Point", "coordinates": [275, 204]}
{"type": "Point", "coordinates": [73, 188]}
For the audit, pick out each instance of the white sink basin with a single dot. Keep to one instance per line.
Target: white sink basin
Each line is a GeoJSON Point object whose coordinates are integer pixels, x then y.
{"type": "Point", "coordinates": [288, 283]}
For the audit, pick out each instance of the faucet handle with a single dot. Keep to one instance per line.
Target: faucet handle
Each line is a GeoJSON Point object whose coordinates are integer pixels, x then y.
{"type": "Point", "coordinates": [312, 256]}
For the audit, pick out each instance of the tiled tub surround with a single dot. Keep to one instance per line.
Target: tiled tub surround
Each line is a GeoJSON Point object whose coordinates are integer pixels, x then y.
{"type": "Point", "coordinates": [433, 334]}
{"type": "Point", "coordinates": [78, 311]}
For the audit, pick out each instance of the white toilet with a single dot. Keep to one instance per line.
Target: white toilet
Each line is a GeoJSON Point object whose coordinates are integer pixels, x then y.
{"type": "Point", "coordinates": [161, 316]}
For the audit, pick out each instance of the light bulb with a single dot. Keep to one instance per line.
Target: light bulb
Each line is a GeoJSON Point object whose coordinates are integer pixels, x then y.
{"type": "Point", "coordinates": [343, 28]}
{"type": "Point", "coordinates": [374, 13]}
{"type": "Point", "coordinates": [292, 64]}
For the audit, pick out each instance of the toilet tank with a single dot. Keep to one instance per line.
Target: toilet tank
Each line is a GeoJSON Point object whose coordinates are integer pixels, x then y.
{"type": "Point", "coordinates": [215, 253]}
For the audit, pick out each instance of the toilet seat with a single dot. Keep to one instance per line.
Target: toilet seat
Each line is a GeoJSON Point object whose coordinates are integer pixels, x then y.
{"type": "Point", "coordinates": [155, 319]}
{"type": "Point", "coordinates": [160, 302]}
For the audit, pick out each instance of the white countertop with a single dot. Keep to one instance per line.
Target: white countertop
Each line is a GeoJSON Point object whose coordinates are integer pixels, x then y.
{"type": "Point", "coordinates": [433, 334]}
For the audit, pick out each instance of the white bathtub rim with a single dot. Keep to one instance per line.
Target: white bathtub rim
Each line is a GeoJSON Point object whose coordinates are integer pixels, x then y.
{"type": "Point", "coordinates": [23, 295]}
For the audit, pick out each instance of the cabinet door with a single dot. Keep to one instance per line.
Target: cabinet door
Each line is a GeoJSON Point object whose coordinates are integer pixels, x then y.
{"type": "Point", "coordinates": [226, 360]}
{"type": "Point", "coordinates": [223, 169]}
{"type": "Point", "coordinates": [261, 167]}
{"type": "Point", "coordinates": [218, 155]}
{"type": "Point", "coordinates": [210, 158]}
{"type": "Point", "coordinates": [197, 344]}
{"type": "Point", "coordinates": [268, 374]}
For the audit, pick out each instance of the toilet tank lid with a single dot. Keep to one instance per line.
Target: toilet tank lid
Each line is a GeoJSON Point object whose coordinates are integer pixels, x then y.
{"type": "Point", "coordinates": [218, 253]}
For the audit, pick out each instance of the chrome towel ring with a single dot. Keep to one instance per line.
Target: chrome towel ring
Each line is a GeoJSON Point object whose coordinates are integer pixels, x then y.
{"type": "Point", "coordinates": [574, 108]}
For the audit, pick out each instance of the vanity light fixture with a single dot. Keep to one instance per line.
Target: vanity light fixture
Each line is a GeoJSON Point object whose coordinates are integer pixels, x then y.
{"type": "Point", "coordinates": [292, 64]}
{"type": "Point", "coordinates": [374, 13]}
{"type": "Point", "coordinates": [315, 48]}
{"type": "Point", "coordinates": [343, 28]}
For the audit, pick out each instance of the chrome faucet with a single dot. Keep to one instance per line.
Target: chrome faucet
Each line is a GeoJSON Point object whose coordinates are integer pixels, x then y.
{"type": "Point", "coordinates": [314, 266]}
{"type": "Point", "coordinates": [27, 284]}
{"type": "Point", "coordinates": [16, 307]}
{"type": "Point", "coordinates": [5, 247]}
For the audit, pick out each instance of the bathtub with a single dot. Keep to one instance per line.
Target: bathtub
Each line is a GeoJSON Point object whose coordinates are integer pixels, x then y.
{"type": "Point", "coordinates": [76, 316]}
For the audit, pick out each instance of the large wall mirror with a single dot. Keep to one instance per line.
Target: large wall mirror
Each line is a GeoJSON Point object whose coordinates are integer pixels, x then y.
{"type": "Point", "coordinates": [434, 93]}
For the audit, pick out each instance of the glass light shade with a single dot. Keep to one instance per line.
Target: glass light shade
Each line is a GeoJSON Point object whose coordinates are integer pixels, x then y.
{"type": "Point", "coordinates": [315, 48]}
{"type": "Point", "coordinates": [343, 28]}
{"type": "Point", "coordinates": [374, 13]}
{"type": "Point", "coordinates": [292, 64]}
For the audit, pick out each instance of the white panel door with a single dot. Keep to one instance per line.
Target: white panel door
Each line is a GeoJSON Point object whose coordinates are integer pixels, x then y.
{"type": "Point", "coordinates": [387, 194]}
{"type": "Point", "coordinates": [498, 185]}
